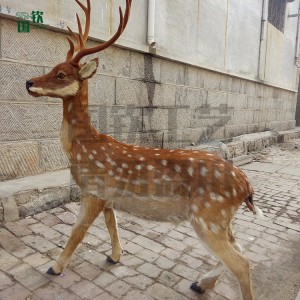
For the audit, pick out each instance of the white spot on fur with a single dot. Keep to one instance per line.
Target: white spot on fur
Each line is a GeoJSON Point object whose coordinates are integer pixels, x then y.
{"type": "Point", "coordinates": [214, 228]}
{"type": "Point", "coordinates": [194, 208]}
{"type": "Point", "coordinates": [217, 174]}
{"type": "Point", "coordinates": [142, 158]}
{"type": "Point", "coordinates": [164, 162]}
{"type": "Point", "coordinates": [202, 223]}
{"type": "Point", "coordinates": [91, 157]}
{"type": "Point", "coordinates": [207, 205]}
{"type": "Point", "coordinates": [70, 106]}
{"type": "Point", "coordinates": [213, 196]}
{"type": "Point", "coordinates": [157, 154]}
{"type": "Point", "coordinates": [150, 168]}
{"type": "Point", "coordinates": [139, 167]}
{"type": "Point", "coordinates": [78, 157]}
{"type": "Point", "coordinates": [125, 166]}
{"type": "Point", "coordinates": [124, 151]}
{"type": "Point", "coordinates": [234, 192]}
{"type": "Point", "coordinates": [191, 159]}
{"type": "Point", "coordinates": [156, 181]}
{"type": "Point", "coordinates": [102, 148]}
{"type": "Point", "coordinates": [223, 212]}
{"type": "Point", "coordinates": [233, 174]}
{"type": "Point", "coordinates": [99, 165]}
{"type": "Point", "coordinates": [85, 170]}
{"type": "Point", "coordinates": [120, 170]}
{"type": "Point", "coordinates": [165, 177]}
{"type": "Point", "coordinates": [227, 194]}
{"type": "Point", "coordinates": [190, 171]}
{"type": "Point", "coordinates": [201, 191]}
{"type": "Point", "coordinates": [84, 149]}
{"type": "Point", "coordinates": [94, 152]}
{"type": "Point", "coordinates": [203, 171]}
{"type": "Point", "coordinates": [73, 122]}
{"type": "Point", "coordinates": [177, 168]}
{"type": "Point", "coordinates": [111, 173]}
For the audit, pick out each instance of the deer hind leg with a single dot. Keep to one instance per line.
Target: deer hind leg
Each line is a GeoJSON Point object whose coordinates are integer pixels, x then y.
{"type": "Point", "coordinates": [209, 279]}
{"type": "Point", "coordinates": [220, 245]}
{"type": "Point", "coordinates": [89, 210]}
{"type": "Point", "coordinates": [112, 226]}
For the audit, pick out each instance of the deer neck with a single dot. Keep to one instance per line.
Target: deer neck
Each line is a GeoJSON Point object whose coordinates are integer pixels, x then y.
{"type": "Point", "coordinates": [76, 120]}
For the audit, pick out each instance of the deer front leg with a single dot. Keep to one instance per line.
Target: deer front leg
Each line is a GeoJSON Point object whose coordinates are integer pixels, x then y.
{"type": "Point", "coordinates": [89, 210]}
{"type": "Point", "coordinates": [112, 226]}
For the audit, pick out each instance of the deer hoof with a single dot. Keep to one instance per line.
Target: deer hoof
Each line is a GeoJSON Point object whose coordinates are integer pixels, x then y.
{"type": "Point", "coordinates": [195, 287]}
{"type": "Point", "coordinates": [51, 272]}
{"type": "Point", "coordinates": [110, 260]}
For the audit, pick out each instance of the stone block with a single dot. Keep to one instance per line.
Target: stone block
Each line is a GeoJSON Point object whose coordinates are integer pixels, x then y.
{"type": "Point", "coordinates": [52, 157]}
{"type": "Point", "coordinates": [155, 119]}
{"type": "Point", "coordinates": [193, 77]}
{"type": "Point", "coordinates": [241, 117]}
{"type": "Point", "coordinates": [18, 160]}
{"type": "Point", "coordinates": [255, 103]}
{"type": "Point", "coordinates": [164, 95]}
{"type": "Point", "coordinates": [215, 99]}
{"type": "Point", "coordinates": [191, 97]}
{"type": "Point", "coordinates": [10, 209]}
{"type": "Point", "coordinates": [34, 201]}
{"type": "Point", "coordinates": [237, 101]}
{"type": "Point", "coordinates": [13, 77]}
{"type": "Point", "coordinates": [120, 119]}
{"type": "Point", "coordinates": [147, 139]}
{"type": "Point", "coordinates": [195, 136]}
{"type": "Point", "coordinates": [102, 90]}
{"type": "Point", "coordinates": [235, 130]}
{"type": "Point", "coordinates": [24, 122]}
{"type": "Point", "coordinates": [211, 79]}
{"type": "Point", "coordinates": [38, 48]}
{"type": "Point", "coordinates": [226, 82]}
{"type": "Point", "coordinates": [145, 66]}
{"type": "Point", "coordinates": [134, 92]}
{"type": "Point", "coordinates": [114, 61]}
{"type": "Point", "coordinates": [172, 72]}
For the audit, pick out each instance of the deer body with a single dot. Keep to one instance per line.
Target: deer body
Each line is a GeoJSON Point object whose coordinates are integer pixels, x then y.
{"type": "Point", "coordinates": [157, 184]}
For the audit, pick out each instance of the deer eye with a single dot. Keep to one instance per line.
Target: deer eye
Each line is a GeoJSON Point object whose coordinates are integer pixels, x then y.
{"type": "Point", "coordinates": [60, 75]}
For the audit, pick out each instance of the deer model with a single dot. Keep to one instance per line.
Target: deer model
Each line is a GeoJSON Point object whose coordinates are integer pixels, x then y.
{"type": "Point", "coordinates": [158, 184]}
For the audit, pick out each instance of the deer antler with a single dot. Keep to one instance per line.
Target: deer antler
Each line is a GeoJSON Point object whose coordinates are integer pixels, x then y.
{"type": "Point", "coordinates": [81, 38]}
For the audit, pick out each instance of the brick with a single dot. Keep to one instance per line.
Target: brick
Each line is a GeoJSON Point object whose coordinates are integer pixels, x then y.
{"type": "Point", "coordinates": [139, 282]}
{"type": "Point", "coordinates": [28, 277]}
{"type": "Point", "coordinates": [168, 278]}
{"type": "Point", "coordinates": [36, 259]}
{"type": "Point", "coordinates": [132, 248]}
{"type": "Point", "coordinates": [147, 255]}
{"type": "Point", "coordinates": [63, 228]}
{"type": "Point", "coordinates": [13, 245]}
{"type": "Point", "coordinates": [86, 289]}
{"type": "Point", "coordinates": [7, 261]}
{"type": "Point", "coordinates": [191, 97]}
{"type": "Point", "coordinates": [148, 244]}
{"type": "Point", "coordinates": [171, 254]}
{"type": "Point", "coordinates": [55, 291]}
{"type": "Point", "coordinates": [227, 291]}
{"type": "Point", "coordinates": [16, 292]}
{"type": "Point", "coordinates": [158, 291]}
{"type": "Point", "coordinates": [118, 288]}
{"type": "Point", "coordinates": [186, 272]}
{"type": "Point", "coordinates": [136, 295]}
{"type": "Point", "coordinates": [191, 261]}
{"type": "Point", "coordinates": [50, 220]}
{"type": "Point", "coordinates": [38, 243]}
{"type": "Point", "coordinates": [45, 231]}
{"type": "Point", "coordinates": [174, 244]}
{"type": "Point", "coordinates": [172, 72]}
{"type": "Point", "coordinates": [164, 263]}
{"type": "Point", "coordinates": [123, 271]}
{"type": "Point", "coordinates": [149, 270]}
{"type": "Point", "coordinates": [105, 279]}
{"type": "Point", "coordinates": [5, 281]}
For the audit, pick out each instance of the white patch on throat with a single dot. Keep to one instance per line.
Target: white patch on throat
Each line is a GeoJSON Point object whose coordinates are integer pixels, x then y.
{"type": "Point", "coordinates": [70, 90]}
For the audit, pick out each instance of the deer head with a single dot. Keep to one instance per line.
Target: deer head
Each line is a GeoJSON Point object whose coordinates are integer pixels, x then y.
{"type": "Point", "coordinates": [66, 79]}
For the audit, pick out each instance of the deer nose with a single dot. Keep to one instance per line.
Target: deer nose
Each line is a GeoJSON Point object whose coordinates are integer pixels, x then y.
{"type": "Point", "coordinates": [29, 84]}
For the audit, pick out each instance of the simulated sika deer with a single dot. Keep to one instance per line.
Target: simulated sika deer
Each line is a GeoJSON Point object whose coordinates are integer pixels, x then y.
{"type": "Point", "coordinates": [157, 184]}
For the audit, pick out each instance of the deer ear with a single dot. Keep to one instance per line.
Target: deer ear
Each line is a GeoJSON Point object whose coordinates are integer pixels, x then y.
{"type": "Point", "coordinates": [88, 69]}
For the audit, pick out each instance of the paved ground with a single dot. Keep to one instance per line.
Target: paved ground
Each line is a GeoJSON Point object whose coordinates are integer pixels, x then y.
{"type": "Point", "coordinates": [161, 260]}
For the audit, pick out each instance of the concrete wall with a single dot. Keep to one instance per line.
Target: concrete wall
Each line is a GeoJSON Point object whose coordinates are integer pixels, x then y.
{"type": "Point", "coordinates": [222, 35]}
{"type": "Point", "coordinates": [136, 97]}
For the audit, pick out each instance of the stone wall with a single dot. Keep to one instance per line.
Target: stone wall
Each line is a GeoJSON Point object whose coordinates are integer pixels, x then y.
{"type": "Point", "coordinates": [136, 97]}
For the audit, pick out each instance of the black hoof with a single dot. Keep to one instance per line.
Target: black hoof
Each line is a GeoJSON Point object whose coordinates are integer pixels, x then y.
{"type": "Point", "coordinates": [195, 287]}
{"type": "Point", "coordinates": [110, 260]}
{"type": "Point", "coordinates": [51, 272]}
